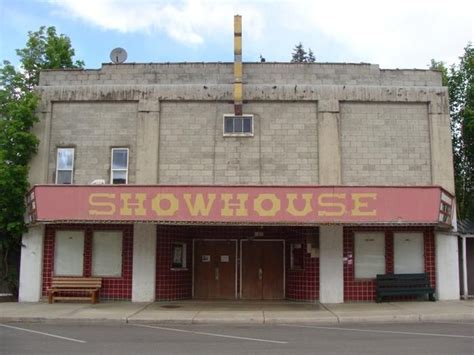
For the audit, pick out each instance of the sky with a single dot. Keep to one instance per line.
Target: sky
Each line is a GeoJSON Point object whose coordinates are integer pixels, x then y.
{"type": "Point", "coordinates": [393, 34]}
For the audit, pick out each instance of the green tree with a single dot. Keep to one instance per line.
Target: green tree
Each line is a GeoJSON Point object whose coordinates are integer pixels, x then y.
{"type": "Point", "coordinates": [440, 66]}
{"type": "Point", "coordinates": [299, 55]}
{"type": "Point", "coordinates": [311, 58]}
{"type": "Point", "coordinates": [44, 50]}
{"type": "Point", "coordinates": [461, 94]}
{"type": "Point", "coordinates": [460, 81]}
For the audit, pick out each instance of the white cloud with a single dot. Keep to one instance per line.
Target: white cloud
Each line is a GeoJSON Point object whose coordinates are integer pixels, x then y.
{"type": "Point", "coordinates": [403, 33]}
{"type": "Point", "coordinates": [185, 21]}
{"type": "Point", "coordinates": [395, 33]}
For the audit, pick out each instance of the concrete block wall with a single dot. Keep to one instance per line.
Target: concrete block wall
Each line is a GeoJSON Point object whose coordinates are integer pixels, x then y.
{"type": "Point", "coordinates": [283, 149]}
{"type": "Point", "coordinates": [314, 124]}
{"type": "Point", "coordinates": [254, 73]}
{"type": "Point", "coordinates": [288, 136]}
{"type": "Point", "coordinates": [187, 149]}
{"type": "Point", "coordinates": [385, 144]}
{"type": "Point", "coordinates": [93, 128]}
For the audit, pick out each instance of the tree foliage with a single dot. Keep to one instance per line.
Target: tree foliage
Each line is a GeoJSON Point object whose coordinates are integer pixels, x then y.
{"type": "Point", "coordinates": [460, 81]}
{"type": "Point", "coordinates": [299, 55]}
{"type": "Point", "coordinates": [44, 50]}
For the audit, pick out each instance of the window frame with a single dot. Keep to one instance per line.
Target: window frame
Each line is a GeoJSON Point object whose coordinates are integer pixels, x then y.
{"type": "Point", "coordinates": [357, 265]}
{"type": "Point", "coordinates": [72, 165]}
{"type": "Point", "coordinates": [81, 253]}
{"type": "Point", "coordinates": [184, 256]}
{"type": "Point", "coordinates": [238, 134]}
{"type": "Point", "coordinates": [397, 236]}
{"type": "Point", "coordinates": [112, 170]}
{"type": "Point", "coordinates": [94, 255]}
{"type": "Point", "coordinates": [299, 247]}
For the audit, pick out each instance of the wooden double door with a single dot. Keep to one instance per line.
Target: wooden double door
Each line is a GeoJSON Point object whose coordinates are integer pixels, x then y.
{"type": "Point", "coordinates": [262, 270]}
{"type": "Point", "coordinates": [215, 269]}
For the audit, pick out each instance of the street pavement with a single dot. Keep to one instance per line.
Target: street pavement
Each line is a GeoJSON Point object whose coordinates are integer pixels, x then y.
{"type": "Point", "coordinates": [156, 338]}
{"type": "Point", "coordinates": [212, 312]}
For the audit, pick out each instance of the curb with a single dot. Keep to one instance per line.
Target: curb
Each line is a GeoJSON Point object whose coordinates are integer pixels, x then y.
{"type": "Point", "coordinates": [415, 318]}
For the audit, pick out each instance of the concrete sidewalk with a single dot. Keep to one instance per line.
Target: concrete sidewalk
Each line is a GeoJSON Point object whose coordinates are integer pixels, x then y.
{"type": "Point", "coordinates": [188, 312]}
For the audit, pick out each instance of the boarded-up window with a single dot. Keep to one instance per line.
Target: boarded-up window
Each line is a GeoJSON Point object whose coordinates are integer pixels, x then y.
{"type": "Point", "coordinates": [369, 255]}
{"type": "Point", "coordinates": [69, 253]}
{"type": "Point", "coordinates": [107, 253]}
{"type": "Point", "coordinates": [408, 253]}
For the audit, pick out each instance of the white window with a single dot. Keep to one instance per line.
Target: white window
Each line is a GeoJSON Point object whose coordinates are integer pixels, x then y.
{"type": "Point", "coordinates": [69, 253]}
{"type": "Point", "coordinates": [178, 255]}
{"type": "Point", "coordinates": [119, 166]}
{"type": "Point", "coordinates": [107, 253]}
{"type": "Point", "coordinates": [238, 125]}
{"type": "Point", "coordinates": [369, 255]}
{"type": "Point", "coordinates": [408, 253]}
{"type": "Point", "coordinates": [65, 166]}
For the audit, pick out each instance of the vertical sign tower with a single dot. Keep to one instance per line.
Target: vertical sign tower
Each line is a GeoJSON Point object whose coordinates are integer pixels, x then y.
{"type": "Point", "coordinates": [238, 71]}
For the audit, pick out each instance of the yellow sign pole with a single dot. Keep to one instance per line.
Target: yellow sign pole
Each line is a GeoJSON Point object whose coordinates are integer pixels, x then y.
{"type": "Point", "coordinates": [238, 70]}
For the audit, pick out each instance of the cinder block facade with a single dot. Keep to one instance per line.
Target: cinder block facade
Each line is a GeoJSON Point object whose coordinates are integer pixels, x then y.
{"type": "Point", "coordinates": [314, 126]}
{"type": "Point", "coordinates": [385, 144]}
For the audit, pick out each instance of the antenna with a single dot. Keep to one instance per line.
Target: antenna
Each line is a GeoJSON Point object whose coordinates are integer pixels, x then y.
{"type": "Point", "coordinates": [118, 55]}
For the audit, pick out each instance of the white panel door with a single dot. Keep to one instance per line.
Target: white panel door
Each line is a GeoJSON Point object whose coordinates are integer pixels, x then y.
{"type": "Point", "coordinates": [408, 253]}
{"type": "Point", "coordinates": [69, 253]}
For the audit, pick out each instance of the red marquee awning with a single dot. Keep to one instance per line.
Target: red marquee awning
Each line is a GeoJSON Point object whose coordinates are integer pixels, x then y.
{"type": "Point", "coordinates": [430, 205]}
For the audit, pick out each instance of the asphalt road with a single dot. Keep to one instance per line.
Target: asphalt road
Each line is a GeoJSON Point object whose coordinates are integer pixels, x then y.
{"type": "Point", "coordinates": [413, 338]}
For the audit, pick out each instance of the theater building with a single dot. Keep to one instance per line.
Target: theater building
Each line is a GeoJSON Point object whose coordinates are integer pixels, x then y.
{"type": "Point", "coordinates": [332, 173]}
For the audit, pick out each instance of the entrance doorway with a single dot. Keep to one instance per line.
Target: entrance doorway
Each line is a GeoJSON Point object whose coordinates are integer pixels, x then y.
{"type": "Point", "coordinates": [262, 270]}
{"type": "Point", "coordinates": [215, 269]}
{"type": "Point", "coordinates": [470, 265]}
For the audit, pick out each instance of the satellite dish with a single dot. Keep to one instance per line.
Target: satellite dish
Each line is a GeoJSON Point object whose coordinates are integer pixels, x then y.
{"type": "Point", "coordinates": [118, 55]}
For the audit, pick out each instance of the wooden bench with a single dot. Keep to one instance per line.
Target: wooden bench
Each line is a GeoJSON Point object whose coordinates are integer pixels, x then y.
{"type": "Point", "coordinates": [404, 285]}
{"type": "Point", "coordinates": [70, 287]}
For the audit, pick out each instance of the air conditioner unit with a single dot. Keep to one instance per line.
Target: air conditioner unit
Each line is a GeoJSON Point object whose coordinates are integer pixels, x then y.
{"type": "Point", "coordinates": [98, 182]}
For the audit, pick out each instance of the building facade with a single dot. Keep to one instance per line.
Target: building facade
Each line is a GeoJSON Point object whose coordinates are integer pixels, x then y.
{"type": "Point", "coordinates": [334, 173]}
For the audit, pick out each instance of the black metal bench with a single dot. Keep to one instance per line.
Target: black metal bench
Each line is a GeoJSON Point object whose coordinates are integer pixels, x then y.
{"type": "Point", "coordinates": [404, 285]}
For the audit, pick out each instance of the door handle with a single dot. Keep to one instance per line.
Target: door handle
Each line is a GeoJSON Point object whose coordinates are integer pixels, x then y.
{"type": "Point", "coordinates": [260, 273]}
{"type": "Point", "coordinates": [216, 273]}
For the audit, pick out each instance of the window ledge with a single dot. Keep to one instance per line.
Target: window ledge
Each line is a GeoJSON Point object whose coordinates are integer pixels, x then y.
{"type": "Point", "coordinates": [108, 277]}
{"type": "Point", "coordinates": [239, 135]}
{"type": "Point", "coordinates": [179, 269]}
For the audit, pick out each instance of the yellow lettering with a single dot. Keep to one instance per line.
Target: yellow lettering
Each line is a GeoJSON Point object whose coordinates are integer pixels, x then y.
{"type": "Point", "coordinates": [269, 212]}
{"type": "Point", "coordinates": [291, 205]}
{"type": "Point", "coordinates": [170, 210]}
{"type": "Point", "coordinates": [109, 206]}
{"type": "Point", "coordinates": [138, 205]}
{"type": "Point", "coordinates": [340, 206]}
{"type": "Point", "coordinates": [358, 204]}
{"type": "Point", "coordinates": [199, 207]}
{"type": "Point", "coordinates": [229, 208]}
